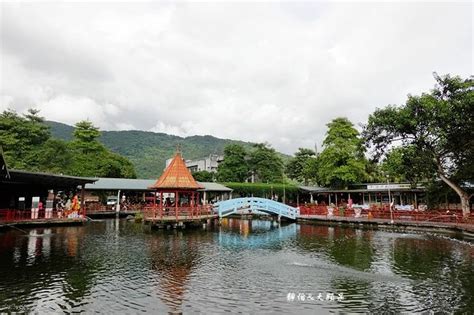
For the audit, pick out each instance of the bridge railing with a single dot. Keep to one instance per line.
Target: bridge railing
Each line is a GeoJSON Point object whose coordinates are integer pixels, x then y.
{"type": "Point", "coordinates": [227, 207]}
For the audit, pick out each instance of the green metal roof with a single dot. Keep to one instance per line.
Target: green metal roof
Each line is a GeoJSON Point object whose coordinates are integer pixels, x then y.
{"type": "Point", "coordinates": [143, 184]}
{"type": "Point", "coordinates": [323, 190]}
{"type": "Point", "coordinates": [211, 186]}
{"type": "Point", "coordinates": [46, 179]}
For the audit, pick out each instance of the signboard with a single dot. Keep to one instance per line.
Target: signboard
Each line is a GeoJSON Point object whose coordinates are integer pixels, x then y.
{"type": "Point", "coordinates": [388, 186]}
{"type": "Point", "coordinates": [21, 203]}
{"type": "Point", "coordinates": [35, 207]}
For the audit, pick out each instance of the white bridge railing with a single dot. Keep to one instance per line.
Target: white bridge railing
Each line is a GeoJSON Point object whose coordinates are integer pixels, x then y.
{"type": "Point", "coordinates": [237, 205]}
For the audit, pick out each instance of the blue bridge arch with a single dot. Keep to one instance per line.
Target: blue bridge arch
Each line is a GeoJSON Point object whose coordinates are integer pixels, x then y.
{"type": "Point", "coordinates": [232, 206]}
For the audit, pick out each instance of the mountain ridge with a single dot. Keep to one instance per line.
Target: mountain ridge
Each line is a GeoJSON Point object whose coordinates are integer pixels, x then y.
{"type": "Point", "coordinates": [148, 151]}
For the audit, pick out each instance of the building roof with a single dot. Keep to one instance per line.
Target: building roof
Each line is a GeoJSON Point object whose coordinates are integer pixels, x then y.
{"type": "Point", "coordinates": [312, 189]}
{"type": "Point", "coordinates": [46, 180]}
{"type": "Point", "coordinates": [121, 184]}
{"type": "Point", "coordinates": [363, 188]}
{"type": "Point", "coordinates": [210, 186]}
{"type": "Point", "coordinates": [176, 176]}
{"type": "Point", "coordinates": [144, 185]}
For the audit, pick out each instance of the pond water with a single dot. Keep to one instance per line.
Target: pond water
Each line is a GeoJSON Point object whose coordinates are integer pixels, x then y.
{"type": "Point", "coordinates": [115, 266]}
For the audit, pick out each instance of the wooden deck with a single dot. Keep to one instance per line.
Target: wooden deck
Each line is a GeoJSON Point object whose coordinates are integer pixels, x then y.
{"type": "Point", "coordinates": [42, 222]}
{"type": "Point", "coordinates": [179, 218]}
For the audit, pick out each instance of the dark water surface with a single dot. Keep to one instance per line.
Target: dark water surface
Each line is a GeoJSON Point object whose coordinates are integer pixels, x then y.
{"type": "Point", "coordinates": [244, 266]}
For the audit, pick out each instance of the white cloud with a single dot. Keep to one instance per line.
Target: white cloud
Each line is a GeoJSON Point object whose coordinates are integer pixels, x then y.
{"type": "Point", "coordinates": [275, 72]}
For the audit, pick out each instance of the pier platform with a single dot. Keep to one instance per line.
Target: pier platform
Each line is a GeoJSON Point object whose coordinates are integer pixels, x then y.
{"type": "Point", "coordinates": [42, 222]}
{"type": "Point", "coordinates": [400, 223]}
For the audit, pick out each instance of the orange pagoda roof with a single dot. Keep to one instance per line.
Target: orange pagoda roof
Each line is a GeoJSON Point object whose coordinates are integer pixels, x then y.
{"type": "Point", "coordinates": [176, 175]}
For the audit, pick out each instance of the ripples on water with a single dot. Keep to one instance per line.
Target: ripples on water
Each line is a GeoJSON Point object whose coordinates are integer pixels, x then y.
{"type": "Point", "coordinates": [243, 266]}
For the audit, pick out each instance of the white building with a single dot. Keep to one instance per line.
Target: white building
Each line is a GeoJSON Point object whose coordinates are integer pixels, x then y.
{"type": "Point", "coordinates": [209, 163]}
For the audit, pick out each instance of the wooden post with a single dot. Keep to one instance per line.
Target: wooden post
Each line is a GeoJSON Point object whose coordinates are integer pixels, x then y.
{"type": "Point", "coordinates": [83, 202]}
{"type": "Point", "coordinates": [191, 204]}
{"type": "Point", "coordinates": [176, 202]}
{"type": "Point", "coordinates": [161, 205]}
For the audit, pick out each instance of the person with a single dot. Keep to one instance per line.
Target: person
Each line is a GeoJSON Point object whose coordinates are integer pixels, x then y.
{"type": "Point", "coordinates": [60, 207]}
{"type": "Point", "coordinates": [75, 203]}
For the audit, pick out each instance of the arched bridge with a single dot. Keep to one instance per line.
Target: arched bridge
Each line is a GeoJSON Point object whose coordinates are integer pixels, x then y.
{"type": "Point", "coordinates": [228, 207]}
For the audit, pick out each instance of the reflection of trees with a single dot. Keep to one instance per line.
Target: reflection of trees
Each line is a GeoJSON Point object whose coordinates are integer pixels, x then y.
{"type": "Point", "coordinates": [347, 246]}
{"type": "Point", "coordinates": [173, 256]}
{"type": "Point", "coordinates": [35, 261]}
{"type": "Point", "coordinates": [437, 263]}
{"type": "Point", "coordinates": [420, 258]}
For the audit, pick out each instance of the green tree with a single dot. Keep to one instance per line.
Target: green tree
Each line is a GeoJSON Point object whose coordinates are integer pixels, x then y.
{"type": "Point", "coordinates": [400, 162]}
{"type": "Point", "coordinates": [54, 156]}
{"type": "Point", "coordinates": [265, 164]}
{"type": "Point", "coordinates": [342, 160]}
{"type": "Point", "coordinates": [302, 167]}
{"type": "Point", "coordinates": [91, 158]}
{"type": "Point", "coordinates": [85, 131]}
{"type": "Point", "coordinates": [203, 176]}
{"type": "Point", "coordinates": [439, 126]}
{"type": "Point", "coordinates": [234, 167]}
{"type": "Point", "coordinates": [21, 138]}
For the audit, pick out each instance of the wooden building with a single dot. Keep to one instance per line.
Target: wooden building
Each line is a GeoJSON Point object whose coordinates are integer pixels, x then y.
{"type": "Point", "coordinates": [178, 196]}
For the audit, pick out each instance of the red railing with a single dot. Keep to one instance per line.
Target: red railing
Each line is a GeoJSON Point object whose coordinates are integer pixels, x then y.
{"type": "Point", "coordinates": [186, 212]}
{"type": "Point", "coordinates": [376, 212]}
{"type": "Point", "coordinates": [14, 215]}
{"type": "Point", "coordinates": [94, 208]}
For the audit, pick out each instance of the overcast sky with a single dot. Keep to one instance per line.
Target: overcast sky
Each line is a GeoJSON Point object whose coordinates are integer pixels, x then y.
{"type": "Point", "coordinates": [274, 72]}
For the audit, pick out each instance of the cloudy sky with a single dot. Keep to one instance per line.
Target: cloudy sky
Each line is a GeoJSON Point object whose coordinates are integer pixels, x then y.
{"type": "Point", "coordinates": [274, 72]}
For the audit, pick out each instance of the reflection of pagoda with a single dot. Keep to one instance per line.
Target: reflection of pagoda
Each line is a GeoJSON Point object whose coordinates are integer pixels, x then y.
{"type": "Point", "coordinates": [178, 193]}
{"type": "Point", "coordinates": [173, 258]}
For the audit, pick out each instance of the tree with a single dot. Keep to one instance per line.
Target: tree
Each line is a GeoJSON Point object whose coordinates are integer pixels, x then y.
{"type": "Point", "coordinates": [303, 166]}
{"type": "Point", "coordinates": [203, 176]}
{"type": "Point", "coordinates": [342, 160]}
{"type": "Point", "coordinates": [439, 126]}
{"type": "Point", "coordinates": [85, 138]}
{"type": "Point", "coordinates": [265, 164]}
{"type": "Point", "coordinates": [234, 167]}
{"type": "Point", "coordinates": [91, 158]}
{"type": "Point", "coordinates": [54, 157]}
{"type": "Point", "coordinates": [400, 163]}
{"type": "Point", "coordinates": [21, 137]}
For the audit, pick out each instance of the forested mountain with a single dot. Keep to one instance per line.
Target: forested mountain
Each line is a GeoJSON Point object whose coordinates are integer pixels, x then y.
{"type": "Point", "coordinates": [148, 151]}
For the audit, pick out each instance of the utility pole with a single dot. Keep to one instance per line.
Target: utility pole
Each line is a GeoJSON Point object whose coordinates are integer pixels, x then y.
{"type": "Point", "coordinates": [389, 200]}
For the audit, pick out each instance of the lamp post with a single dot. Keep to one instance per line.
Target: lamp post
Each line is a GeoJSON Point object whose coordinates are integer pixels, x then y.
{"type": "Point", "coordinates": [389, 200]}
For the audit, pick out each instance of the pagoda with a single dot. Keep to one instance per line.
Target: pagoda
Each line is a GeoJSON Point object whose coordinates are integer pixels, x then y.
{"type": "Point", "coordinates": [181, 189]}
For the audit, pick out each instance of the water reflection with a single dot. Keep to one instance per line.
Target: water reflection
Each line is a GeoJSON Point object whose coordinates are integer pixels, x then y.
{"type": "Point", "coordinates": [243, 266]}
{"type": "Point", "coordinates": [29, 267]}
{"type": "Point", "coordinates": [173, 257]}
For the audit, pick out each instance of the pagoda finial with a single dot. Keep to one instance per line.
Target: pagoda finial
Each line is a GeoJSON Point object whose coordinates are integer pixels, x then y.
{"type": "Point", "coordinates": [178, 148]}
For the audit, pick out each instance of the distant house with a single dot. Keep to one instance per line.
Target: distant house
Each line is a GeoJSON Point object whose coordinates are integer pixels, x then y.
{"type": "Point", "coordinates": [209, 163]}
{"type": "Point", "coordinates": [138, 190]}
